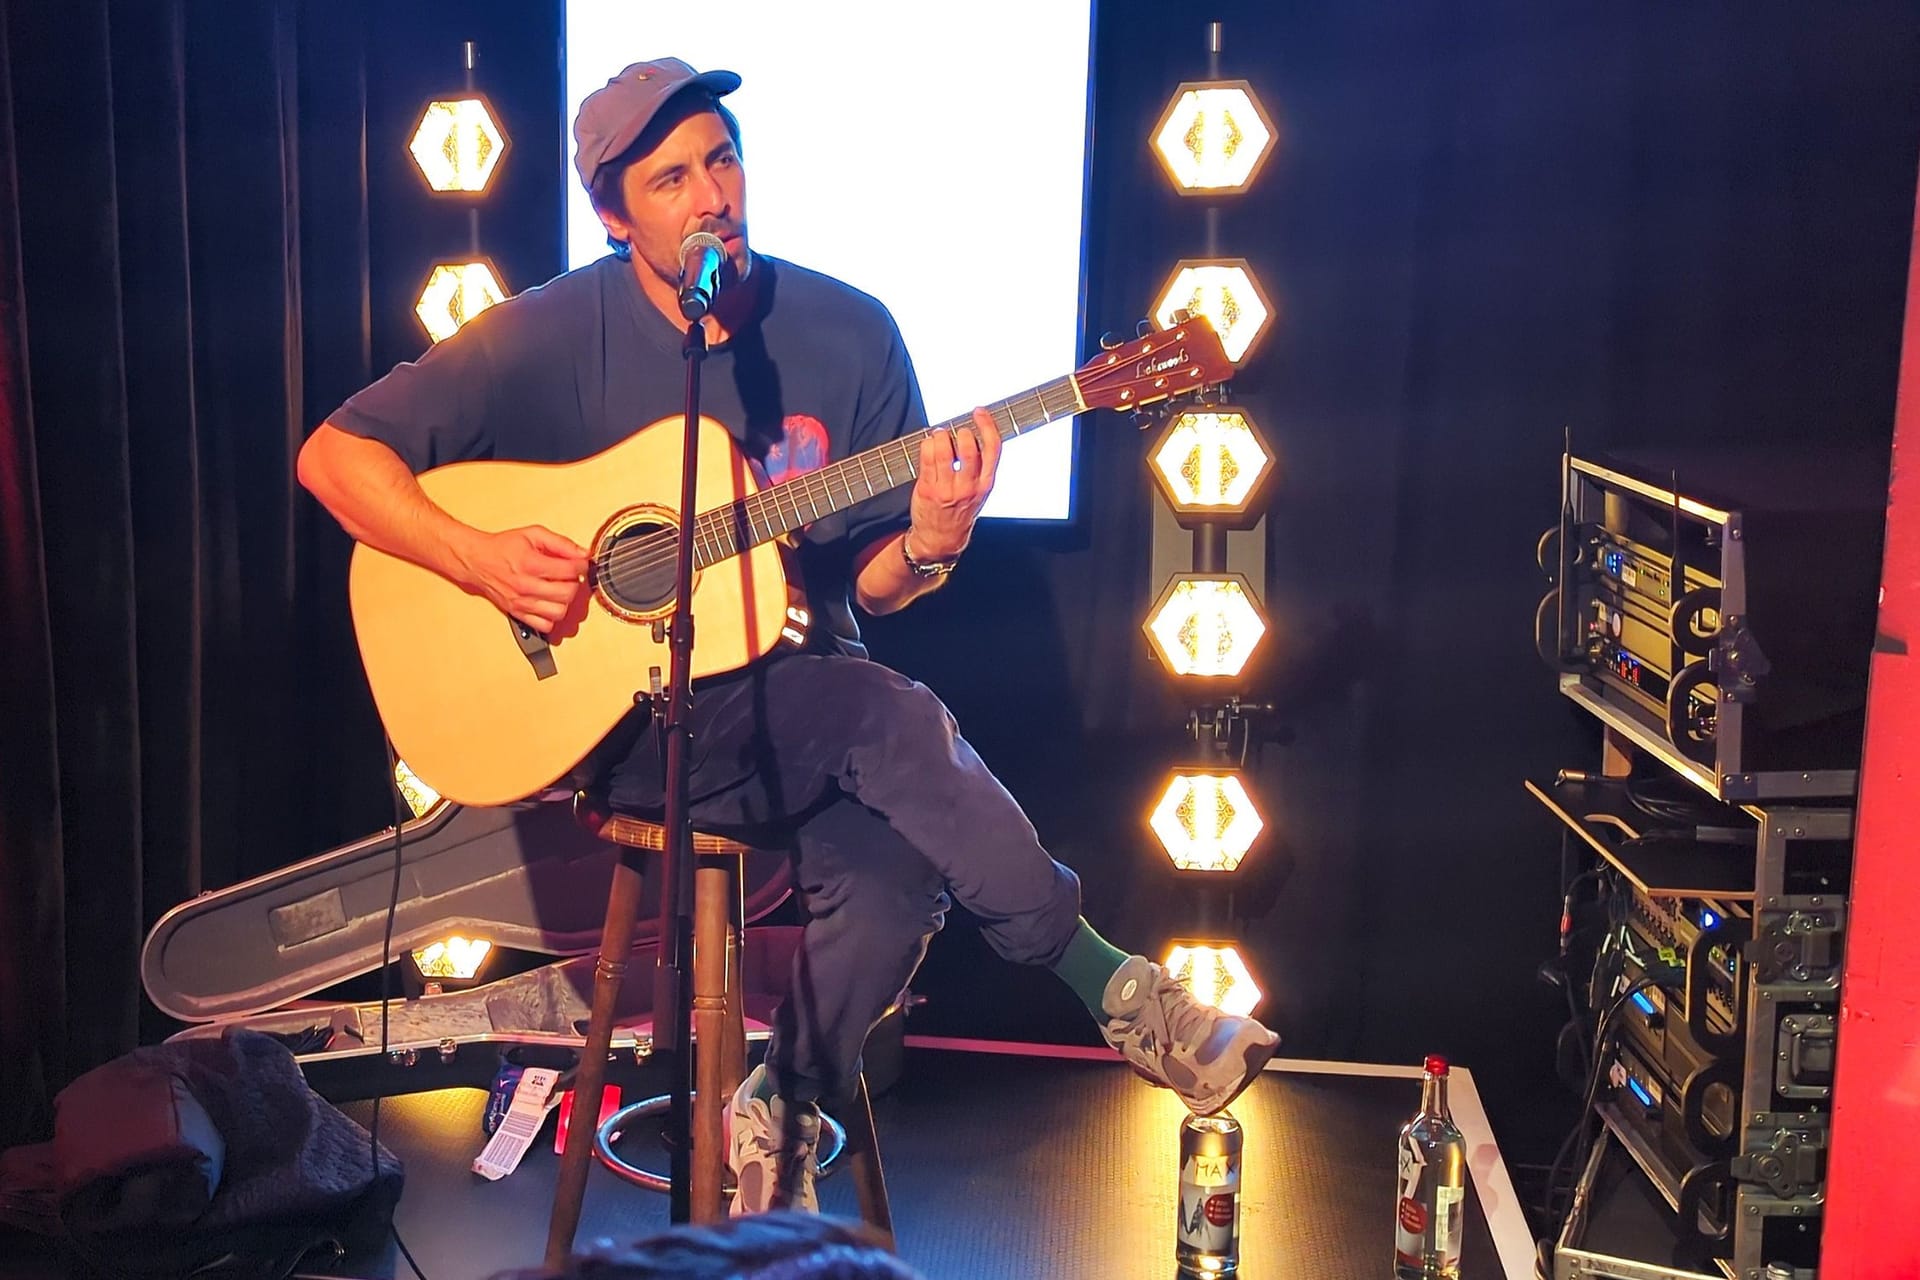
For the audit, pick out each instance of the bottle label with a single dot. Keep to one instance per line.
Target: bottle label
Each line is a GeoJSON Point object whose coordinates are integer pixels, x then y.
{"type": "Point", "coordinates": [1410, 1217]}
{"type": "Point", "coordinates": [1430, 1218]}
{"type": "Point", "coordinates": [1450, 1214]}
{"type": "Point", "coordinates": [1209, 1202]}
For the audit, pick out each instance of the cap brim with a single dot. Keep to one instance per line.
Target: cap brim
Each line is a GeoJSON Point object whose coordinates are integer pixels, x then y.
{"type": "Point", "coordinates": [719, 83]}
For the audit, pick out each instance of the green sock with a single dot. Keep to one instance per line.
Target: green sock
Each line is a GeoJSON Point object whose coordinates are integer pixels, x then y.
{"type": "Point", "coordinates": [1086, 964]}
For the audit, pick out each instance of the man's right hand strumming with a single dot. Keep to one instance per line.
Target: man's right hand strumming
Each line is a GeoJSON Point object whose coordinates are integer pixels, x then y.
{"type": "Point", "coordinates": [531, 573]}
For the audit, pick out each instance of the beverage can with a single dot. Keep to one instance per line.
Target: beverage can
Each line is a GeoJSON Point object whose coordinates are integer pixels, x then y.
{"type": "Point", "coordinates": [1208, 1231]}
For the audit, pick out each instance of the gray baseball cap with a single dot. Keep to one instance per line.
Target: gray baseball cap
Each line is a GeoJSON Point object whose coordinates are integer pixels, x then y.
{"type": "Point", "coordinates": [613, 115]}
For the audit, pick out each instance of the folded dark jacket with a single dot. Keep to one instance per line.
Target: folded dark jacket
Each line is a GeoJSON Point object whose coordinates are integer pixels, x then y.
{"type": "Point", "coordinates": [204, 1152]}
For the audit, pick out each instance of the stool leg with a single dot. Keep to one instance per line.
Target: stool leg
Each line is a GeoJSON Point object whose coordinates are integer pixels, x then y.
{"type": "Point", "coordinates": [863, 1158]}
{"type": "Point", "coordinates": [709, 1032]}
{"type": "Point", "coordinates": [616, 946]}
{"type": "Point", "coordinates": [736, 1040]}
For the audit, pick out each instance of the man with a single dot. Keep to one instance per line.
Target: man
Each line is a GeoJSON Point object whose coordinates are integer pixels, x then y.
{"type": "Point", "coordinates": [861, 770]}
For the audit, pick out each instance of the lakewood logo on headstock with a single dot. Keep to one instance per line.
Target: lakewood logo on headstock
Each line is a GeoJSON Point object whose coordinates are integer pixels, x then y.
{"type": "Point", "coordinates": [1155, 367]}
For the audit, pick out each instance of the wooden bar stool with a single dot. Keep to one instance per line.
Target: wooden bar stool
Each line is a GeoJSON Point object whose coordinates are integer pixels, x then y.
{"type": "Point", "coordinates": [719, 1018]}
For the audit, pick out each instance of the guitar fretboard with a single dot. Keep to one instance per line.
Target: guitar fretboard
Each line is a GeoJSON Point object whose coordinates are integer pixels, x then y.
{"type": "Point", "coordinates": [740, 526]}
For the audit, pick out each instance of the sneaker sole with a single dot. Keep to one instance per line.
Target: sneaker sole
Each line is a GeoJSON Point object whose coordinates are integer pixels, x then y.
{"type": "Point", "coordinates": [1253, 1062]}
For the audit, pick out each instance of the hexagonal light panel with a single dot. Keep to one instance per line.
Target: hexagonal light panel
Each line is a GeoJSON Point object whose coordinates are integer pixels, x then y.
{"type": "Point", "coordinates": [458, 145]}
{"type": "Point", "coordinates": [456, 292]}
{"type": "Point", "coordinates": [452, 957]}
{"type": "Point", "coordinates": [1213, 137]}
{"type": "Point", "coordinates": [1205, 820]}
{"type": "Point", "coordinates": [1205, 624]}
{"type": "Point", "coordinates": [1225, 292]}
{"type": "Point", "coordinates": [419, 796]}
{"type": "Point", "coordinates": [1215, 974]}
{"type": "Point", "coordinates": [1210, 462]}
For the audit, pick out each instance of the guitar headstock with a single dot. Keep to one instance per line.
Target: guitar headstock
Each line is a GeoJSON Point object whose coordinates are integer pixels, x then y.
{"type": "Point", "coordinates": [1182, 358]}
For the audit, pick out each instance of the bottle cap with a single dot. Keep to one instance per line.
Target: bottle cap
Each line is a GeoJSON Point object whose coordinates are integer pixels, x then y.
{"type": "Point", "coordinates": [1436, 1065]}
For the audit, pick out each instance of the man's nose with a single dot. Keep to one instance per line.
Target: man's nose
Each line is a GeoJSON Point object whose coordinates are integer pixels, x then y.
{"type": "Point", "coordinates": [711, 198]}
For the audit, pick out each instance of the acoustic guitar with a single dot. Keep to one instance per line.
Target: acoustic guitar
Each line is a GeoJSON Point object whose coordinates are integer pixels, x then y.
{"type": "Point", "coordinates": [486, 710]}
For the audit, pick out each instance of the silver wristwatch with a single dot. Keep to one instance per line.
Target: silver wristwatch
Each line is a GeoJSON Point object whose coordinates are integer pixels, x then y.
{"type": "Point", "coordinates": [925, 568]}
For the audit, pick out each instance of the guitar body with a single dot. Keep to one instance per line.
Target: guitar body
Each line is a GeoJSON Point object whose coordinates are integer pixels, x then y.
{"type": "Point", "coordinates": [460, 687]}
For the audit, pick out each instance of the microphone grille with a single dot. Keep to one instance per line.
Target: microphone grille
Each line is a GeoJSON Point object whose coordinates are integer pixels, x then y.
{"type": "Point", "coordinates": [701, 240]}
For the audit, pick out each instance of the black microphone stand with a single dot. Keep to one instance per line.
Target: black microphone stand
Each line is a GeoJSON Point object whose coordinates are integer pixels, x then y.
{"type": "Point", "coordinates": [673, 977]}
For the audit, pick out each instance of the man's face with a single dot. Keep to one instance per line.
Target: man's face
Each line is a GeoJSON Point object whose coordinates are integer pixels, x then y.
{"type": "Point", "coordinates": [691, 182]}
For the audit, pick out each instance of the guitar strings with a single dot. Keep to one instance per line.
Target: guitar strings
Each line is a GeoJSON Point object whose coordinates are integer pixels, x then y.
{"type": "Point", "coordinates": [715, 526]}
{"type": "Point", "coordinates": [653, 550]}
{"type": "Point", "coordinates": [717, 529]}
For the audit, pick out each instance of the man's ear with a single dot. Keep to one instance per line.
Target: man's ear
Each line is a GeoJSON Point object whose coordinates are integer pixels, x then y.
{"type": "Point", "coordinates": [616, 226]}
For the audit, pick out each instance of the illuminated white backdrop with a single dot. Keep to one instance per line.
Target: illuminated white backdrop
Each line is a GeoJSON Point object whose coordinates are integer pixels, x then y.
{"type": "Point", "coordinates": [932, 156]}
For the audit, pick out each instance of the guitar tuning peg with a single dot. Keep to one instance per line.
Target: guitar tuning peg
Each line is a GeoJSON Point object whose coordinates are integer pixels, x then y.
{"type": "Point", "coordinates": [1143, 328]}
{"type": "Point", "coordinates": [1110, 341]}
{"type": "Point", "coordinates": [1181, 316]}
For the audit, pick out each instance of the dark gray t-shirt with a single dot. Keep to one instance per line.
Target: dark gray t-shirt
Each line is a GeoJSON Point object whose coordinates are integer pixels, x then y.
{"type": "Point", "coordinates": [567, 369]}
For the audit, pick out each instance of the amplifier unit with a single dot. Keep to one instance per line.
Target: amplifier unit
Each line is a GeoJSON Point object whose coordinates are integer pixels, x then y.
{"type": "Point", "coordinates": [1718, 610]}
{"type": "Point", "coordinates": [1647, 1112]}
{"type": "Point", "coordinates": [1701, 939]}
{"type": "Point", "coordinates": [1687, 1033]}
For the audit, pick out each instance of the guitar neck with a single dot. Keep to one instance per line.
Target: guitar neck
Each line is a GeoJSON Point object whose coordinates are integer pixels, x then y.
{"type": "Point", "coordinates": [781, 508]}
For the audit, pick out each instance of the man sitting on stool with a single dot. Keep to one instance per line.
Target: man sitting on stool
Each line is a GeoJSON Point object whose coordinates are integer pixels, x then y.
{"type": "Point", "coordinates": [861, 769]}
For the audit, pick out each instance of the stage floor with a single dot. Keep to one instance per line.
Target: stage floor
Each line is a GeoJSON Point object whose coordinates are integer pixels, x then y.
{"type": "Point", "coordinates": [1014, 1161]}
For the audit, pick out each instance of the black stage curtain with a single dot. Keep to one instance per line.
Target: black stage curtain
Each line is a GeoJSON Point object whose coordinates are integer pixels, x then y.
{"type": "Point", "coordinates": [183, 284]}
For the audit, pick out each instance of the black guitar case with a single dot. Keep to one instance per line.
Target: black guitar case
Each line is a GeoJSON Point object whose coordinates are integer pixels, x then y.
{"type": "Point", "coordinates": [263, 954]}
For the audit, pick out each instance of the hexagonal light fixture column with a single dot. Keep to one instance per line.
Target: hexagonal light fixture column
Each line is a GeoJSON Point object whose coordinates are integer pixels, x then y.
{"type": "Point", "coordinates": [1210, 463]}
{"type": "Point", "coordinates": [1206, 624]}
{"type": "Point", "coordinates": [458, 145]}
{"type": "Point", "coordinates": [1215, 974]}
{"type": "Point", "coordinates": [1213, 137]}
{"type": "Point", "coordinates": [455, 293]}
{"type": "Point", "coordinates": [1225, 292]}
{"type": "Point", "coordinates": [1205, 820]}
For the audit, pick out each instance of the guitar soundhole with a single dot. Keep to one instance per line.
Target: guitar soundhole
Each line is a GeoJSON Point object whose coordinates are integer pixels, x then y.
{"type": "Point", "coordinates": [633, 566]}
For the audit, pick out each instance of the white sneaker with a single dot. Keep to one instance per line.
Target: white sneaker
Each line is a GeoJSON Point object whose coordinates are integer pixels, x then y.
{"type": "Point", "coordinates": [1175, 1041]}
{"type": "Point", "coordinates": [771, 1151]}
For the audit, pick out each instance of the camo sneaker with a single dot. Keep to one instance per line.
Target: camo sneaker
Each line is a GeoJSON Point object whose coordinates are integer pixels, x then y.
{"type": "Point", "coordinates": [1202, 1054]}
{"type": "Point", "coordinates": [770, 1150]}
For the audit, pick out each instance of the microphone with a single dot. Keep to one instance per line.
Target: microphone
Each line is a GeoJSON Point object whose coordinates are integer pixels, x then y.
{"type": "Point", "coordinates": [701, 256]}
